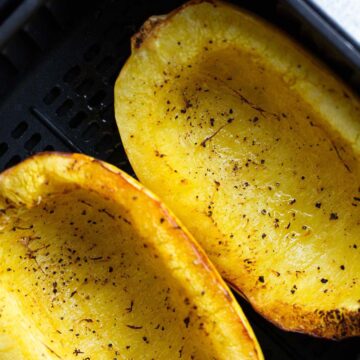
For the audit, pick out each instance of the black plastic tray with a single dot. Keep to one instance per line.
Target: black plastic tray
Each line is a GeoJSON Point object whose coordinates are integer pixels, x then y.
{"type": "Point", "coordinates": [58, 63]}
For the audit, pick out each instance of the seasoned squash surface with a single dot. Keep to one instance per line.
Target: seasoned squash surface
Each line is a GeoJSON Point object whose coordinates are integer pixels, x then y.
{"type": "Point", "coordinates": [255, 146]}
{"type": "Point", "coordinates": [93, 266]}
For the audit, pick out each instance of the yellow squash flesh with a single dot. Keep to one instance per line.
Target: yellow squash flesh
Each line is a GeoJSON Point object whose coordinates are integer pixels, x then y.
{"type": "Point", "coordinates": [93, 266]}
{"type": "Point", "coordinates": [255, 147]}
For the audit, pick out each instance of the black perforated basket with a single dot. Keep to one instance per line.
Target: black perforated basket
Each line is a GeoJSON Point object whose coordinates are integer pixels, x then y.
{"type": "Point", "coordinates": [58, 63]}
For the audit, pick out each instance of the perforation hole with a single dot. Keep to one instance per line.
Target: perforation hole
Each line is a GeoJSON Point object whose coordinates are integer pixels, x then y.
{"type": "Point", "coordinates": [97, 99]}
{"type": "Point", "coordinates": [65, 107]}
{"type": "Point", "coordinates": [61, 13]}
{"type": "Point", "coordinates": [105, 64]}
{"type": "Point", "coordinates": [19, 130]}
{"type": "Point", "coordinates": [52, 95]}
{"type": "Point", "coordinates": [91, 131]}
{"type": "Point", "coordinates": [48, 148]}
{"type": "Point", "coordinates": [13, 161]}
{"type": "Point", "coordinates": [91, 52]}
{"type": "Point", "coordinates": [118, 157]}
{"type": "Point", "coordinates": [85, 86]}
{"type": "Point", "coordinates": [77, 120]}
{"type": "Point", "coordinates": [98, 14]}
{"type": "Point", "coordinates": [114, 157]}
{"type": "Point", "coordinates": [22, 50]}
{"type": "Point", "coordinates": [7, 73]}
{"type": "Point", "coordinates": [104, 144]}
{"type": "Point", "coordinates": [43, 19]}
{"type": "Point", "coordinates": [3, 148]}
{"type": "Point", "coordinates": [32, 142]}
{"type": "Point", "coordinates": [72, 74]}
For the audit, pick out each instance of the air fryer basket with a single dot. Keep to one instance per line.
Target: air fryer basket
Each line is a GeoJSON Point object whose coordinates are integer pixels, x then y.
{"type": "Point", "coordinates": [58, 63]}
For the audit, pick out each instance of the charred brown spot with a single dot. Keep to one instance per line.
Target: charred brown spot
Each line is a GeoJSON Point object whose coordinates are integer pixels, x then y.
{"type": "Point", "coordinates": [187, 321]}
{"type": "Point", "coordinates": [334, 216]}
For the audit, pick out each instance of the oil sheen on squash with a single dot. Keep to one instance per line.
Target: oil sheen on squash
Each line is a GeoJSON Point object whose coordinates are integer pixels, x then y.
{"type": "Point", "coordinates": [256, 148]}
{"type": "Point", "coordinates": [94, 267]}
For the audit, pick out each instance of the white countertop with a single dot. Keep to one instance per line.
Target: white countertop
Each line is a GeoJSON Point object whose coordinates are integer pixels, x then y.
{"type": "Point", "coordinates": [346, 13]}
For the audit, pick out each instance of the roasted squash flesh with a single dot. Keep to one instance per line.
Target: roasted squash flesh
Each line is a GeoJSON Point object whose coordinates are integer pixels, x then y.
{"type": "Point", "coordinates": [93, 266]}
{"type": "Point", "coordinates": [255, 147]}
